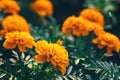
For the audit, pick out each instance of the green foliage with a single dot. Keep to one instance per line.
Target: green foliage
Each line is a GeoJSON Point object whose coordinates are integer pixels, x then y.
{"type": "Point", "coordinates": [105, 70]}
{"type": "Point", "coordinates": [15, 65]}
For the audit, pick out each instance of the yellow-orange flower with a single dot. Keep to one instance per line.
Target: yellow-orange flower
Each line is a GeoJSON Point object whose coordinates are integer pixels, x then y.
{"type": "Point", "coordinates": [77, 26]}
{"type": "Point", "coordinates": [54, 53]}
{"type": "Point", "coordinates": [9, 6]}
{"type": "Point", "coordinates": [14, 23]}
{"type": "Point", "coordinates": [60, 42]}
{"type": "Point", "coordinates": [98, 30]}
{"type": "Point", "coordinates": [93, 15]}
{"type": "Point", "coordinates": [108, 40]}
{"type": "Point", "coordinates": [20, 39]}
{"type": "Point", "coordinates": [42, 7]}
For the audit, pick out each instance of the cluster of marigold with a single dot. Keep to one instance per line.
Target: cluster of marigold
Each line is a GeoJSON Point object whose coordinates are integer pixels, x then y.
{"type": "Point", "coordinates": [91, 20]}
{"type": "Point", "coordinates": [16, 31]}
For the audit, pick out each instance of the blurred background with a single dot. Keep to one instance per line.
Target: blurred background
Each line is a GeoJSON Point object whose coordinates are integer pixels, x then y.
{"type": "Point", "coordinates": [65, 8]}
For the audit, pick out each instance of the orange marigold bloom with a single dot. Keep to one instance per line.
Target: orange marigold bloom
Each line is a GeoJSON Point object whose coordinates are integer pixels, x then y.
{"type": "Point", "coordinates": [53, 53]}
{"type": "Point", "coordinates": [108, 40]}
{"type": "Point", "coordinates": [14, 23]}
{"type": "Point", "coordinates": [42, 7]}
{"type": "Point", "coordinates": [98, 30]}
{"type": "Point", "coordinates": [77, 26]}
{"type": "Point", "coordinates": [60, 42]}
{"type": "Point", "coordinates": [9, 6]}
{"type": "Point", "coordinates": [93, 16]}
{"type": "Point", "coordinates": [20, 39]}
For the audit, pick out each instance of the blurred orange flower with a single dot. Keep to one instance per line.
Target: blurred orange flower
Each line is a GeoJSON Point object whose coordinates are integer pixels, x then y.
{"type": "Point", "coordinates": [42, 7]}
{"type": "Point", "coordinates": [53, 53]}
{"type": "Point", "coordinates": [60, 42]}
{"type": "Point", "coordinates": [98, 30]}
{"type": "Point", "coordinates": [93, 15]}
{"type": "Point", "coordinates": [108, 40]}
{"type": "Point", "coordinates": [9, 6]}
{"type": "Point", "coordinates": [14, 23]}
{"type": "Point", "coordinates": [20, 39]}
{"type": "Point", "coordinates": [77, 26]}
{"type": "Point", "coordinates": [118, 1]}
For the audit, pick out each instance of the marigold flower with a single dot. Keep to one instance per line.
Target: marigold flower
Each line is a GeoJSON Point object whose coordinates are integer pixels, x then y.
{"type": "Point", "coordinates": [60, 42]}
{"type": "Point", "coordinates": [54, 53]}
{"type": "Point", "coordinates": [9, 6]}
{"type": "Point", "coordinates": [93, 16]}
{"type": "Point", "coordinates": [20, 39]}
{"type": "Point", "coordinates": [77, 26]}
{"type": "Point", "coordinates": [98, 30]}
{"type": "Point", "coordinates": [108, 40]}
{"type": "Point", "coordinates": [14, 23]}
{"type": "Point", "coordinates": [42, 7]}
